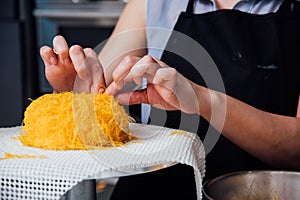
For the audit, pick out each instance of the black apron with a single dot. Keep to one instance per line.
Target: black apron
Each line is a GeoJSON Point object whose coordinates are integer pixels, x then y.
{"type": "Point", "coordinates": [258, 57]}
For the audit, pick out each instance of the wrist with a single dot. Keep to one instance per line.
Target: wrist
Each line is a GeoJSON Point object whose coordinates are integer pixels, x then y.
{"type": "Point", "coordinates": [204, 101]}
{"type": "Point", "coordinates": [212, 106]}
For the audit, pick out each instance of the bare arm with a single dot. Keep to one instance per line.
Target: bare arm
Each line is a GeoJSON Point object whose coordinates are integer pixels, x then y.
{"type": "Point", "coordinates": [271, 138]}
{"type": "Point", "coordinates": [128, 37]}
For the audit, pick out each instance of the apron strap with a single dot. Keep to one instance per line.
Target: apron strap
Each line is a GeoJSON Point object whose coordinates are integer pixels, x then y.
{"type": "Point", "coordinates": [290, 7]}
{"type": "Point", "coordinates": [295, 7]}
{"type": "Point", "coordinates": [190, 7]}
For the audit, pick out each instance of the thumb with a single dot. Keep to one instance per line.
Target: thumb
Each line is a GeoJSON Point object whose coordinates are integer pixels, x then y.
{"type": "Point", "coordinates": [133, 97]}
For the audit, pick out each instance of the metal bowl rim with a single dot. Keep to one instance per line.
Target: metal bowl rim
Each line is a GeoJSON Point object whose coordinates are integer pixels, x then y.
{"type": "Point", "coordinates": [214, 180]}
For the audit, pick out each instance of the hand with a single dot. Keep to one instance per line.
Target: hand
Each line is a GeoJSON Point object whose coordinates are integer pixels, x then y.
{"type": "Point", "coordinates": [166, 88]}
{"type": "Point", "coordinates": [72, 68]}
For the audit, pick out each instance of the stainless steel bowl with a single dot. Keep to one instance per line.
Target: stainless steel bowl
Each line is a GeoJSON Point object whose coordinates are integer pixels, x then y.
{"type": "Point", "coordinates": [254, 185]}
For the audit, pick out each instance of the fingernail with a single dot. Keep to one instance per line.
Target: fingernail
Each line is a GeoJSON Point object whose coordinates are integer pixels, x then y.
{"type": "Point", "coordinates": [58, 49]}
{"type": "Point", "coordinates": [55, 51]}
{"type": "Point", "coordinates": [101, 90]}
{"type": "Point", "coordinates": [108, 90]}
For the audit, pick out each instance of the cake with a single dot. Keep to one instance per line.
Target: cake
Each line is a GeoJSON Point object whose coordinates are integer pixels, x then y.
{"type": "Point", "coordinates": [71, 121]}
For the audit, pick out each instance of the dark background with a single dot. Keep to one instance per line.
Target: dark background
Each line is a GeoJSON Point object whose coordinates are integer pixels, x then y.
{"type": "Point", "coordinates": [25, 26]}
{"type": "Point", "coordinates": [18, 78]}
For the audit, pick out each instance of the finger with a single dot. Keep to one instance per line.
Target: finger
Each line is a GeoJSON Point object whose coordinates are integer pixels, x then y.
{"type": "Point", "coordinates": [144, 68]}
{"type": "Point", "coordinates": [133, 97]}
{"type": "Point", "coordinates": [48, 56]}
{"type": "Point", "coordinates": [111, 89]}
{"type": "Point", "coordinates": [81, 85]}
{"type": "Point", "coordinates": [61, 48]}
{"type": "Point", "coordinates": [142, 96]}
{"type": "Point", "coordinates": [164, 81]}
{"type": "Point", "coordinates": [114, 87]}
{"type": "Point", "coordinates": [140, 71]}
{"type": "Point", "coordinates": [124, 67]}
{"type": "Point", "coordinates": [132, 69]}
{"type": "Point", "coordinates": [78, 58]}
{"type": "Point", "coordinates": [161, 63]}
{"type": "Point", "coordinates": [166, 77]}
{"type": "Point", "coordinates": [95, 68]}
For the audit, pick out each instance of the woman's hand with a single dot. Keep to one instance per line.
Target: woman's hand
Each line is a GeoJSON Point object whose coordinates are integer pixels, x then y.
{"type": "Point", "coordinates": [166, 88]}
{"type": "Point", "coordinates": [72, 68]}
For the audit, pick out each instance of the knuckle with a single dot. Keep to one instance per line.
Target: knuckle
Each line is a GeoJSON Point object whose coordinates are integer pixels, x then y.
{"type": "Point", "coordinates": [172, 71]}
{"type": "Point", "coordinates": [159, 73]}
{"type": "Point", "coordinates": [148, 58]}
{"type": "Point", "coordinates": [128, 59]}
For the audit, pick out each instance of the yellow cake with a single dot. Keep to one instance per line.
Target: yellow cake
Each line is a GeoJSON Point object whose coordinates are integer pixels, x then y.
{"type": "Point", "coordinates": [69, 121]}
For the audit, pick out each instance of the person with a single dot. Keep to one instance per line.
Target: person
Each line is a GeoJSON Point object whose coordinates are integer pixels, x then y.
{"type": "Point", "coordinates": [255, 46]}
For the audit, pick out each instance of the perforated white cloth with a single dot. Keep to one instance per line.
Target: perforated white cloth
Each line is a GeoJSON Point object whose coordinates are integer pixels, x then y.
{"type": "Point", "coordinates": [52, 173]}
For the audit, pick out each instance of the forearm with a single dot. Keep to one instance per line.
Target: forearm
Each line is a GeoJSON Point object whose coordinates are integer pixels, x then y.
{"type": "Point", "coordinates": [110, 57]}
{"type": "Point", "coordinates": [128, 38]}
{"type": "Point", "coordinates": [271, 138]}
